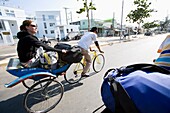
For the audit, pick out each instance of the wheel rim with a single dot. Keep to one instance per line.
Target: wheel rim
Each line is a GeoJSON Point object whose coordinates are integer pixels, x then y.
{"type": "Point", "coordinates": [45, 98]}
{"type": "Point", "coordinates": [98, 63]}
{"type": "Point", "coordinates": [73, 74]}
{"type": "Point", "coordinates": [29, 82]}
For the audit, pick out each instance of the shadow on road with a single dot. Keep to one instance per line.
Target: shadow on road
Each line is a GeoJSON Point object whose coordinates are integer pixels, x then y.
{"type": "Point", "coordinates": [68, 86]}
{"type": "Point", "coordinates": [13, 105]}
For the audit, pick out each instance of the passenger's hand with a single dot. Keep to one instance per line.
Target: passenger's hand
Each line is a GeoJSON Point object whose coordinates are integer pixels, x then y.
{"type": "Point", "coordinates": [64, 51]}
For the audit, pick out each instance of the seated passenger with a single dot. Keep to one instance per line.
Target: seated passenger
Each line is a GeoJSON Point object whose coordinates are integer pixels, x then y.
{"type": "Point", "coordinates": [28, 44]}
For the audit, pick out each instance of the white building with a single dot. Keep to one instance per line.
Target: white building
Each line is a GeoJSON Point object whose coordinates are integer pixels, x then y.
{"type": "Point", "coordinates": [64, 30]}
{"type": "Point", "coordinates": [49, 24]}
{"type": "Point", "coordinates": [10, 21]}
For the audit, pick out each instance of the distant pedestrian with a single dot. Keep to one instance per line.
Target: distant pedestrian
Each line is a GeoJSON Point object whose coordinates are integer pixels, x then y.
{"type": "Point", "coordinates": [58, 39]}
{"type": "Point", "coordinates": [46, 41]}
{"type": "Point", "coordinates": [45, 38]}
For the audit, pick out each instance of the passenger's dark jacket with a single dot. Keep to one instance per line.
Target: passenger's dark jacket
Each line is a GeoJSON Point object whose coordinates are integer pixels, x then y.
{"type": "Point", "coordinates": [27, 46]}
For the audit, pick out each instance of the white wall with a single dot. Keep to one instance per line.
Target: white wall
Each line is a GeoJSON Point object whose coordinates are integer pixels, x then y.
{"type": "Point", "coordinates": [40, 22]}
{"type": "Point", "coordinates": [12, 19]}
{"type": "Point", "coordinates": [63, 30]}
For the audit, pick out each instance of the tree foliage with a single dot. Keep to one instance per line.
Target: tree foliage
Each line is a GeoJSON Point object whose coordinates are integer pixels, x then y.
{"type": "Point", "coordinates": [108, 20]}
{"type": "Point", "coordinates": [150, 25]}
{"type": "Point", "coordinates": [141, 12]}
{"type": "Point", "coordinates": [86, 8]}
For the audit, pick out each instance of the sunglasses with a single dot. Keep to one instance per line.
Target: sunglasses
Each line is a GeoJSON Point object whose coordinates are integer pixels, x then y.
{"type": "Point", "coordinates": [33, 25]}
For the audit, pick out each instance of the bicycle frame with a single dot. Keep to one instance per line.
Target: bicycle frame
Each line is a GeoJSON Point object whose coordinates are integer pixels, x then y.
{"type": "Point", "coordinates": [93, 53]}
{"type": "Point", "coordinates": [96, 61]}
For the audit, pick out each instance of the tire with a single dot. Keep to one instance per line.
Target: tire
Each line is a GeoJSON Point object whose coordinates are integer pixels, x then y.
{"type": "Point", "coordinates": [98, 63]}
{"type": "Point", "coordinates": [73, 74]}
{"type": "Point", "coordinates": [45, 98]}
{"type": "Point", "coordinates": [29, 82]}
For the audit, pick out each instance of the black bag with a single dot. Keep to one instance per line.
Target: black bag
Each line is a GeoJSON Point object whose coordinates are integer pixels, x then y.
{"type": "Point", "coordinates": [62, 46]}
{"type": "Point", "coordinates": [72, 56]}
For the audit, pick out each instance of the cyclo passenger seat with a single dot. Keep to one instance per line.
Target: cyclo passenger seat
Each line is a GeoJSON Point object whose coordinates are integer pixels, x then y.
{"type": "Point", "coordinates": [14, 63]}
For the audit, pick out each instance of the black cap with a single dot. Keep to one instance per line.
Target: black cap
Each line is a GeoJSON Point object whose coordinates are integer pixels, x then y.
{"type": "Point", "coordinates": [93, 29]}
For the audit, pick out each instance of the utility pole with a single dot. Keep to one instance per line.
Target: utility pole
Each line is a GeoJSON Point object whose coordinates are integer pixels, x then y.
{"type": "Point", "coordinates": [113, 23]}
{"type": "Point", "coordinates": [70, 17]}
{"type": "Point", "coordinates": [91, 16]}
{"type": "Point", "coordinates": [121, 19]}
{"type": "Point", "coordinates": [66, 14]}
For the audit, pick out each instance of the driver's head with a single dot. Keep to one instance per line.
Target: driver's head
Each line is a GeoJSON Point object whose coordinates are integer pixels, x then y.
{"type": "Point", "coordinates": [94, 29]}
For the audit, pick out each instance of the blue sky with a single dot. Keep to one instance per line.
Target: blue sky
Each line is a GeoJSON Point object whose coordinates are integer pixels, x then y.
{"type": "Point", "coordinates": [105, 8]}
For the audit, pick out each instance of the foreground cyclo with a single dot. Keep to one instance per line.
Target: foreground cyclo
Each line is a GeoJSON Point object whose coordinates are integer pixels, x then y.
{"type": "Point", "coordinates": [46, 92]}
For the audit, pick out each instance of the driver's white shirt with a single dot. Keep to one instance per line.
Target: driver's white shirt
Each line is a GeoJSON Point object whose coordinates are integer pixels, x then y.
{"type": "Point", "coordinates": [87, 39]}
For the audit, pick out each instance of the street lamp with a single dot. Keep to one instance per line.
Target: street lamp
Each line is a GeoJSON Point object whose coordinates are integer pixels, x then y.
{"type": "Point", "coordinates": [121, 19]}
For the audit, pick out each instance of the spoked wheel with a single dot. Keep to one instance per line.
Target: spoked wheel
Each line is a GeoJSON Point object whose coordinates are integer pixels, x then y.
{"type": "Point", "coordinates": [98, 63]}
{"type": "Point", "coordinates": [73, 74]}
{"type": "Point", "coordinates": [44, 98]}
{"type": "Point", "coordinates": [29, 82]}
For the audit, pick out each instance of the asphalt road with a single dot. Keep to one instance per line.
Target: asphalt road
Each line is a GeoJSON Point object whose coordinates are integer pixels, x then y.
{"type": "Point", "coordinates": [85, 96]}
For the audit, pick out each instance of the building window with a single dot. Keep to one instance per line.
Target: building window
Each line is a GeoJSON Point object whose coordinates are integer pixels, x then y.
{"type": "Point", "coordinates": [52, 31]}
{"type": "Point", "coordinates": [10, 13]}
{"type": "Point", "coordinates": [51, 17]}
{"type": "Point", "coordinates": [43, 16]}
{"type": "Point", "coordinates": [67, 30]}
{"type": "Point", "coordinates": [2, 26]}
{"type": "Point", "coordinates": [0, 13]}
{"type": "Point", "coordinates": [84, 23]}
{"type": "Point", "coordinates": [45, 25]}
{"type": "Point", "coordinates": [6, 11]}
{"type": "Point", "coordinates": [46, 32]}
{"type": "Point", "coordinates": [52, 24]}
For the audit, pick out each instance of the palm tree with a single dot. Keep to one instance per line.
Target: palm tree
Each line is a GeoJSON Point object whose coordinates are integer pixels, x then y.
{"type": "Point", "coordinates": [87, 7]}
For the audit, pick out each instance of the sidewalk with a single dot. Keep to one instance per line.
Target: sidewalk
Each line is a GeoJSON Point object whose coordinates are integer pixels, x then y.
{"type": "Point", "coordinates": [4, 58]}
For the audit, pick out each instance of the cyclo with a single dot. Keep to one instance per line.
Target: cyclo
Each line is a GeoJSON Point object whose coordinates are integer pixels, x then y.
{"type": "Point", "coordinates": [45, 91]}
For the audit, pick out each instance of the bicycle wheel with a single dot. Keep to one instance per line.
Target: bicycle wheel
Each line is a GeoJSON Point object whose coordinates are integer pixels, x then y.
{"type": "Point", "coordinates": [98, 63]}
{"type": "Point", "coordinates": [29, 82]}
{"type": "Point", "coordinates": [73, 74]}
{"type": "Point", "coordinates": [45, 98]}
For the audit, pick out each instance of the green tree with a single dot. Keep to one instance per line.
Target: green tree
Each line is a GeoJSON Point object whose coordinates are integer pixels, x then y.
{"type": "Point", "coordinates": [150, 25]}
{"type": "Point", "coordinates": [108, 20]}
{"type": "Point", "coordinates": [141, 12]}
{"type": "Point", "coordinates": [86, 8]}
